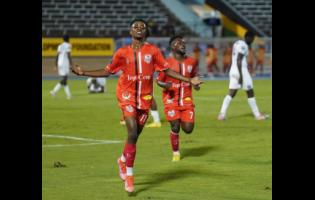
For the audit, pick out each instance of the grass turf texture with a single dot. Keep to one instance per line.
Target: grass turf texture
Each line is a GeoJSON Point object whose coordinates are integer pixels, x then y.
{"type": "Point", "coordinates": [228, 160]}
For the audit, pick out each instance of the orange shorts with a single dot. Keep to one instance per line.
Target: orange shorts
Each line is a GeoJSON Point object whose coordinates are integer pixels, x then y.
{"type": "Point", "coordinates": [140, 115]}
{"type": "Point", "coordinates": [185, 115]}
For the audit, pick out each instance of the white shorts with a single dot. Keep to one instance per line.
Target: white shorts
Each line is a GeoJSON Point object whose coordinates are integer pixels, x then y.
{"type": "Point", "coordinates": [234, 80]}
{"type": "Point", "coordinates": [63, 71]}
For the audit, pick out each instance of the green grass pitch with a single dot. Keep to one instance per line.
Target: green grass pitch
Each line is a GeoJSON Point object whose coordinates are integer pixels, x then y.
{"type": "Point", "coordinates": [229, 160]}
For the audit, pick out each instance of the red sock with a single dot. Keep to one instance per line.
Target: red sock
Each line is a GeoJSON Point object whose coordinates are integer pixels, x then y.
{"type": "Point", "coordinates": [174, 137]}
{"type": "Point", "coordinates": [130, 154]}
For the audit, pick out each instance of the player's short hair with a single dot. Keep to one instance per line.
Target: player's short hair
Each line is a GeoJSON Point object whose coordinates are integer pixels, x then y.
{"type": "Point", "coordinates": [249, 34]}
{"type": "Point", "coordinates": [138, 20]}
{"type": "Point", "coordinates": [66, 38]}
{"type": "Point", "coordinates": [146, 25]}
{"type": "Point", "coordinates": [175, 37]}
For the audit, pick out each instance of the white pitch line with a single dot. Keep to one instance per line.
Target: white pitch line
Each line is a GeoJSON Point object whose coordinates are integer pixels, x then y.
{"type": "Point", "coordinates": [94, 142]}
{"type": "Point", "coordinates": [77, 138]}
{"type": "Point", "coordinates": [209, 98]}
{"type": "Point", "coordinates": [71, 145]}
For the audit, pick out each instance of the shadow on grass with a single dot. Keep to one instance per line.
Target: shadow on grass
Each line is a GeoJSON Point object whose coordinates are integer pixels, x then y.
{"type": "Point", "coordinates": [197, 151]}
{"type": "Point", "coordinates": [241, 116]}
{"type": "Point", "coordinates": [171, 175]}
{"type": "Point", "coordinates": [168, 176]}
{"type": "Point", "coordinates": [249, 115]}
{"type": "Point", "coordinates": [158, 179]}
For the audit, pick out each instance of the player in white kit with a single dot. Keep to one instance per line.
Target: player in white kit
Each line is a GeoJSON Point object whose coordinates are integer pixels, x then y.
{"type": "Point", "coordinates": [240, 77]}
{"type": "Point", "coordinates": [96, 85]}
{"type": "Point", "coordinates": [63, 64]}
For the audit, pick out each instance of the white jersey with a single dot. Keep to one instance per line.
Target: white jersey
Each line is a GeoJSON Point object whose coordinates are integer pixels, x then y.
{"type": "Point", "coordinates": [63, 60]}
{"type": "Point", "coordinates": [240, 47]}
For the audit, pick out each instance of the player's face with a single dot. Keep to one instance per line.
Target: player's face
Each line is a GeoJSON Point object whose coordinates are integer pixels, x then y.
{"type": "Point", "coordinates": [179, 46]}
{"type": "Point", "coordinates": [138, 30]}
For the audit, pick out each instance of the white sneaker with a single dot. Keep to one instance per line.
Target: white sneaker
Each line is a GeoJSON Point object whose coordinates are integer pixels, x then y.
{"type": "Point", "coordinates": [221, 117]}
{"type": "Point", "coordinates": [262, 117]}
{"type": "Point", "coordinates": [52, 93]}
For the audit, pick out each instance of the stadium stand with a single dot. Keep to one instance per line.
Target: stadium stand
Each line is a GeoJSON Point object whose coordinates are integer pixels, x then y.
{"type": "Point", "coordinates": [102, 18]}
{"type": "Point", "coordinates": [259, 12]}
{"type": "Point", "coordinates": [255, 15]}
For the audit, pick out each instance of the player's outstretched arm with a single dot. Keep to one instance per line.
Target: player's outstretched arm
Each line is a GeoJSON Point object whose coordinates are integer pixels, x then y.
{"type": "Point", "coordinates": [94, 73]}
{"type": "Point", "coordinates": [166, 85]}
{"type": "Point", "coordinates": [193, 81]}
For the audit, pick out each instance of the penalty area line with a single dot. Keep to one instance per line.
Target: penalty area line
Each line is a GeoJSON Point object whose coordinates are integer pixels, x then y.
{"type": "Point", "coordinates": [91, 141]}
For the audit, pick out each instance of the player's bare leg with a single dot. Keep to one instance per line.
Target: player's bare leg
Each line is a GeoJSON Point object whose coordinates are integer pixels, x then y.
{"type": "Point", "coordinates": [66, 87]}
{"type": "Point", "coordinates": [139, 129]}
{"type": "Point", "coordinates": [130, 151]}
{"type": "Point", "coordinates": [252, 104]}
{"type": "Point", "coordinates": [174, 138]}
{"type": "Point", "coordinates": [226, 103]}
{"type": "Point", "coordinates": [58, 86]}
{"type": "Point", "coordinates": [187, 127]}
{"type": "Point", "coordinates": [55, 90]}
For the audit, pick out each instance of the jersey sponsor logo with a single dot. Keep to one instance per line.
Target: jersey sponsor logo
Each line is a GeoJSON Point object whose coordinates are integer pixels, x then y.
{"type": "Point", "coordinates": [139, 77]}
{"type": "Point", "coordinates": [147, 58]}
{"type": "Point", "coordinates": [189, 68]}
{"type": "Point", "coordinates": [185, 84]}
{"type": "Point", "coordinates": [126, 95]}
{"type": "Point", "coordinates": [175, 85]}
{"type": "Point", "coordinates": [129, 108]}
{"type": "Point", "coordinates": [178, 85]}
{"type": "Point", "coordinates": [147, 97]}
{"type": "Point", "coordinates": [171, 113]}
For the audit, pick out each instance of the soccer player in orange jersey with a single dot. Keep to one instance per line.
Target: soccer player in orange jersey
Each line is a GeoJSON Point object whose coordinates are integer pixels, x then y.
{"type": "Point", "coordinates": [212, 60]}
{"type": "Point", "coordinates": [177, 95]}
{"type": "Point", "coordinates": [260, 59]}
{"type": "Point", "coordinates": [227, 58]}
{"type": "Point", "coordinates": [250, 60]}
{"type": "Point", "coordinates": [138, 62]}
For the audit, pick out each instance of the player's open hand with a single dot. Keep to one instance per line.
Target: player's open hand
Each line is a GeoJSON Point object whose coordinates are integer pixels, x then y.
{"type": "Point", "coordinates": [77, 70]}
{"type": "Point", "coordinates": [196, 87]}
{"type": "Point", "coordinates": [196, 81]}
